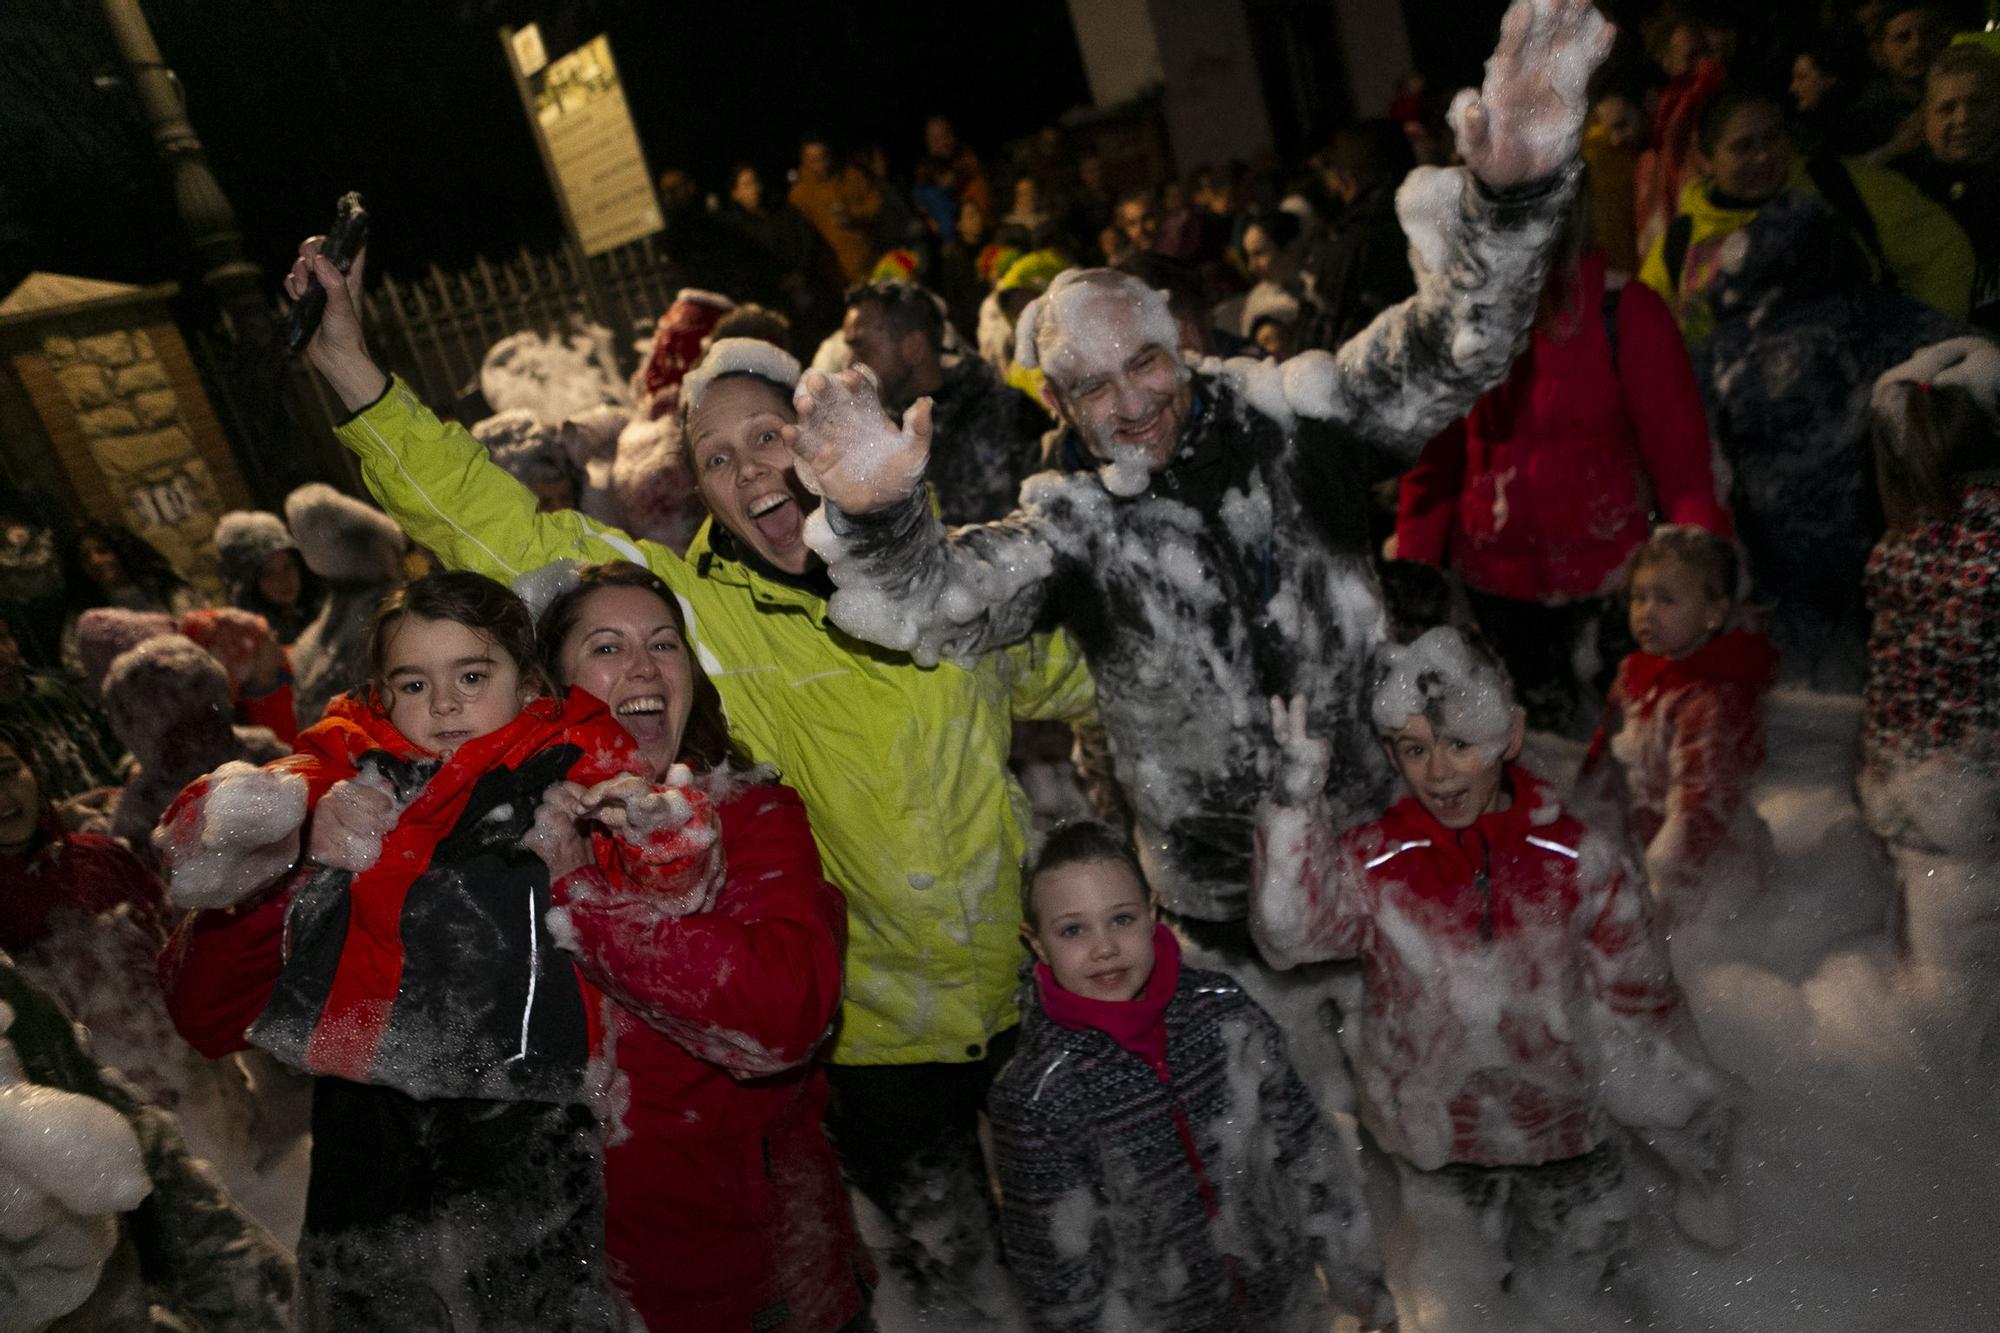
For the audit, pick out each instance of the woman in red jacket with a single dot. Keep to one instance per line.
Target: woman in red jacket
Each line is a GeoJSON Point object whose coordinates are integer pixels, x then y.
{"type": "Point", "coordinates": [1539, 496]}
{"type": "Point", "coordinates": [726, 1208]}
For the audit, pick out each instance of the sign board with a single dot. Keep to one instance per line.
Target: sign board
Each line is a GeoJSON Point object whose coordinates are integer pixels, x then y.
{"type": "Point", "coordinates": [580, 118]}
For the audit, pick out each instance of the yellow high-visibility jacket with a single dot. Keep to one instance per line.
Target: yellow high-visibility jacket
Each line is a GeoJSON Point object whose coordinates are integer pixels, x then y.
{"type": "Point", "coordinates": [1926, 250]}
{"type": "Point", "coordinates": [903, 768]}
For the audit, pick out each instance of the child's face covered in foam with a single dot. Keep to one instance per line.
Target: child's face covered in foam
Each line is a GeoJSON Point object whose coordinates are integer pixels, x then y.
{"type": "Point", "coordinates": [1451, 777]}
{"type": "Point", "coordinates": [1673, 612]}
{"type": "Point", "coordinates": [1095, 929]}
{"type": "Point", "coordinates": [445, 683]}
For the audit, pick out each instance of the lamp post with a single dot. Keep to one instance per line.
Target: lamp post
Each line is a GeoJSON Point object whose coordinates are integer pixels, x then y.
{"type": "Point", "coordinates": [238, 284]}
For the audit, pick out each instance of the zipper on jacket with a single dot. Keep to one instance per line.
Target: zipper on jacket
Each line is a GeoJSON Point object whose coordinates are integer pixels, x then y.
{"type": "Point", "coordinates": [1482, 880]}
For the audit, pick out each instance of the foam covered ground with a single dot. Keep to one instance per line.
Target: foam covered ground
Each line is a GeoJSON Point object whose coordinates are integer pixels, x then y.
{"type": "Point", "coordinates": [1868, 1163]}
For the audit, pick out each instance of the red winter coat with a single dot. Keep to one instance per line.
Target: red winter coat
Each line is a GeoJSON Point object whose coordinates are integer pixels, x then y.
{"type": "Point", "coordinates": [1687, 737]}
{"type": "Point", "coordinates": [86, 872]}
{"type": "Point", "coordinates": [725, 1201]}
{"type": "Point", "coordinates": [433, 971]}
{"type": "Point", "coordinates": [1545, 489]}
{"type": "Point", "coordinates": [1519, 1000]}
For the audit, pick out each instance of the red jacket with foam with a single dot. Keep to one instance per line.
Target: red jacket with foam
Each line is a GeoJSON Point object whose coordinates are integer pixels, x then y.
{"type": "Point", "coordinates": [1519, 999]}
{"type": "Point", "coordinates": [84, 872]}
{"type": "Point", "coordinates": [1544, 490]}
{"type": "Point", "coordinates": [726, 1208]}
{"type": "Point", "coordinates": [1687, 736]}
{"type": "Point", "coordinates": [434, 970]}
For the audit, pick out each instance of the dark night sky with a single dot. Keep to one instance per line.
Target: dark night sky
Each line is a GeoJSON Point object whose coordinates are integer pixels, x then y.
{"type": "Point", "coordinates": [411, 103]}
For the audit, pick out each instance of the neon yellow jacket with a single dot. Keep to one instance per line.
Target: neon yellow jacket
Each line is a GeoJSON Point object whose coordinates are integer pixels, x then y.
{"type": "Point", "coordinates": [903, 768]}
{"type": "Point", "coordinates": [1927, 251]}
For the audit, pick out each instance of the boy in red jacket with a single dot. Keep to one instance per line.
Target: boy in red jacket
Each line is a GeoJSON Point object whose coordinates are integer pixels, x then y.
{"type": "Point", "coordinates": [1519, 1006]}
{"type": "Point", "coordinates": [1683, 731]}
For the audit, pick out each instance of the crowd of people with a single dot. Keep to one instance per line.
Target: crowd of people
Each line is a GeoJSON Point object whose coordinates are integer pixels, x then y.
{"type": "Point", "coordinates": [609, 848]}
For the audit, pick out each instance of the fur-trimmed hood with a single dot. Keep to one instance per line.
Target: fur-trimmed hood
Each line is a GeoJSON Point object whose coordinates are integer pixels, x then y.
{"type": "Point", "coordinates": [341, 538]}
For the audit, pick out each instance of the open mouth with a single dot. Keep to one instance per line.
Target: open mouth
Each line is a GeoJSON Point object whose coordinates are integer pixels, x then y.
{"type": "Point", "coordinates": [777, 518]}
{"type": "Point", "coordinates": [1112, 979]}
{"type": "Point", "coordinates": [644, 717]}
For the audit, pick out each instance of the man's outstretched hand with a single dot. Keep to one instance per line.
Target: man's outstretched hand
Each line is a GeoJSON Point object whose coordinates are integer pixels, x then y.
{"type": "Point", "coordinates": [338, 350]}
{"type": "Point", "coordinates": [848, 449]}
{"type": "Point", "coordinates": [1526, 120]}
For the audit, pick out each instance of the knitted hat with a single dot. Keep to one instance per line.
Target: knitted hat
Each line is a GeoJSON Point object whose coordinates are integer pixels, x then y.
{"type": "Point", "coordinates": [104, 632]}
{"type": "Point", "coordinates": [1033, 271]}
{"type": "Point", "coordinates": [676, 348]}
{"type": "Point", "coordinates": [899, 265]}
{"type": "Point", "coordinates": [164, 684]}
{"type": "Point", "coordinates": [244, 539]}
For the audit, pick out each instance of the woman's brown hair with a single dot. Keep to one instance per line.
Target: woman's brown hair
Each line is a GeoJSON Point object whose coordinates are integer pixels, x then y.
{"type": "Point", "coordinates": [471, 600]}
{"type": "Point", "coordinates": [705, 741]}
{"type": "Point", "coordinates": [1928, 438]}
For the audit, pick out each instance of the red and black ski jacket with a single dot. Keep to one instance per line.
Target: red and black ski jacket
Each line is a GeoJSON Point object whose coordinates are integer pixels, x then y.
{"type": "Point", "coordinates": [434, 970]}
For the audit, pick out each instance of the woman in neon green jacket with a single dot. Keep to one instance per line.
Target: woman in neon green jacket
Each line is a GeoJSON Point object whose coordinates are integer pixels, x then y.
{"type": "Point", "coordinates": [903, 769]}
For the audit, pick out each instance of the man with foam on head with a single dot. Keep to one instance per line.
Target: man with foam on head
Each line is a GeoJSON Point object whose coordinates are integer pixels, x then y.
{"type": "Point", "coordinates": [1204, 534]}
{"type": "Point", "coordinates": [1520, 1007]}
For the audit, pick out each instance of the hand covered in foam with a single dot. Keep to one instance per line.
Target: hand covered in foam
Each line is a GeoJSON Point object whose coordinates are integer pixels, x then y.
{"type": "Point", "coordinates": [1526, 119]}
{"type": "Point", "coordinates": [69, 1165]}
{"type": "Point", "coordinates": [556, 836]}
{"type": "Point", "coordinates": [848, 449]}
{"type": "Point", "coordinates": [669, 838]}
{"type": "Point", "coordinates": [240, 833]}
{"type": "Point", "coordinates": [1304, 760]}
{"type": "Point", "coordinates": [350, 822]}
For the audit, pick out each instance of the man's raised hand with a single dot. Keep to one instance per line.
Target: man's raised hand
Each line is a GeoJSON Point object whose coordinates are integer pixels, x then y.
{"type": "Point", "coordinates": [1526, 120]}
{"type": "Point", "coordinates": [848, 449]}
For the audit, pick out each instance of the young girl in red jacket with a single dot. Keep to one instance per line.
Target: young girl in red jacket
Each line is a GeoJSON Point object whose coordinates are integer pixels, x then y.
{"type": "Point", "coordinates": [1520, 1009]}
{"type": "Point", "coordinates": [1683, 731]}
{"type": "Point", "coordinates": [407, 962]}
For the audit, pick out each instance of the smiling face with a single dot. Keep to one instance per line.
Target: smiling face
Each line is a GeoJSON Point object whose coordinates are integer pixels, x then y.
{"type": "Point", "coordinates": [20, 802]}
{"type": "Point", "coordinates": [1753, 153]}
{"type": "Point", "coordinates": [1094, 929]}
{"type": "Point", "coordinates": [628, 651]}
{"type": "Point", "coordinates": [445, 683]}
{"type": "Point", "coordinates": [1962, 119]}
{"type": "Point", "coordinates": [743, 468]}
{"type": "Point", "coordinates": [1453, 779]}
{"type": "Point", "coordinates": [1673, 611]}
{"type": "Point", "coordinates": [1120, 388]}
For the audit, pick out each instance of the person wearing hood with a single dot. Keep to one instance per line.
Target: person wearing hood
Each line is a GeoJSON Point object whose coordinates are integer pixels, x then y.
{"type": "Point", "coordinates": [989, 433]}
{"type": "Point", "coordinates": [1205, 534]}
{"type": "Point", "coordinates": [902, 768]}
{"type": "Point", "coordinates": [263, 572]}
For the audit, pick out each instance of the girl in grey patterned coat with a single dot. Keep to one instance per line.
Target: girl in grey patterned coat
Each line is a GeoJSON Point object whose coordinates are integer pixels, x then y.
{"type": "Point", "coordinates": [1162, 1167]}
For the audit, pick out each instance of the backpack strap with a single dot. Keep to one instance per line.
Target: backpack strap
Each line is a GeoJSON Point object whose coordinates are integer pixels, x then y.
{"type": "Point", "coordinates": [1835, 184]}
{"type": "Point", "coordinates": [1675, 248]}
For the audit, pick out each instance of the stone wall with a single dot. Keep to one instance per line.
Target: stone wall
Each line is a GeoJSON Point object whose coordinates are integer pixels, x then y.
{"type": "Point", "coordinates": [132, 420]}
